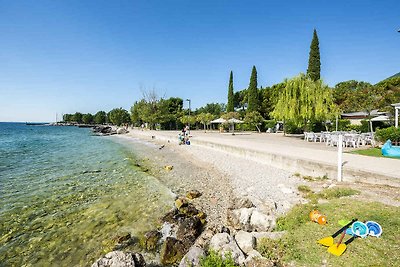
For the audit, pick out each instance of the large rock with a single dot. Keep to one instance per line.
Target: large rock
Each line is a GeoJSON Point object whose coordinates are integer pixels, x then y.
{"type": "Point", "coordinates": [120, 259]}
{"type": "Point", "coordinates": [172, 251]}
{"type": "Point", "coordinates": [224, 243]}
{"type": "Point", "coordinates": [254, 259]}
{"type": "Point", "coordinates": [239, 219]}
{"type": "Point", "coordinates": [246, 241]}
{"type": "Point", "coordinates": [240, 203]}
{"type": "Point", "coordinates": [192, 258]}
{"type": "Point", "coordinates": [189, 230]}
{"type": "Point", "coordinates": [122, 131]}
{"type": "Point", "coordinates": [150, 240]}
{"type": "Point", "coordinates": [260, 222]}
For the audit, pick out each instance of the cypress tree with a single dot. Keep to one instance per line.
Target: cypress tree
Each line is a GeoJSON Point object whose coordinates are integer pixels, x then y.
{"type": "Point", "coordinates": [230, 106]}
{"type": "Point", "coordinates": [314, 60]}
{"type": "Point", "coordinates": [252, 97]}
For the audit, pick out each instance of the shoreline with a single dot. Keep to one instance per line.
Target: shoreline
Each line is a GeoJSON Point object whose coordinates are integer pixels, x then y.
{"type": "Point", "coordinates": [223, 176]}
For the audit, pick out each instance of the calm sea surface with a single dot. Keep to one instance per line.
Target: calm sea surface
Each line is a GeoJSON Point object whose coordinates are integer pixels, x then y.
{"type": "Point", "coordinates": [64, 194]}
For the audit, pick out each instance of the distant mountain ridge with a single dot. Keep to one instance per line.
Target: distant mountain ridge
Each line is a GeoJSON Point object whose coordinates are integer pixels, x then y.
{"type": "Point", "coordinates": [396, 75]}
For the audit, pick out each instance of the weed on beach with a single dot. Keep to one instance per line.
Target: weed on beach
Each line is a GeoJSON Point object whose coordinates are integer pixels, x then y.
{"type": "Point", "coordinates": [299, 245]}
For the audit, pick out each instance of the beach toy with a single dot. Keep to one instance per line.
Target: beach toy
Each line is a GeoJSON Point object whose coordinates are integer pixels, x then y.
{"type": "Point", "coordinates": [316, 216]}
{"type": "Point", "coordinates": [374, 229]}
{"type": "Point", "coordinates": [360, 229]}
{"type": "Point", "coordinates": [328, 241]}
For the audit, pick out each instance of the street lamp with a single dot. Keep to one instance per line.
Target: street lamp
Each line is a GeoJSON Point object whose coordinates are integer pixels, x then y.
{"type": "Point", "coordinates": [189, 113]}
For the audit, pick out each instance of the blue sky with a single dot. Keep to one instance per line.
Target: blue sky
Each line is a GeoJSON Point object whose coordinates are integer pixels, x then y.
{"type": "Point", "coordinates": [68, 56]}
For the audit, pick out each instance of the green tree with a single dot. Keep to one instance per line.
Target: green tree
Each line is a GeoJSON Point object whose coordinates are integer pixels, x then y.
{"type": "Point", "coordinates": [100, 117]}
{"type": "Point", "coordinates": [118, 116]}
{"type": "Point", "coordinates": [78, 117]}
{"type": "Point", "coordinates": [205, 119]}
{"type": "Point", "coordinates": [213, 108]}
{"type": "Point", "coordinates": [188, 119]}
{"type": "Point", "coordinates": [87, 118]}
{"type": "Point", "coordinates": [303, 100]}
{"type": "Point", "coordinates": [252, 104]}
{"type": "Point", "coordinates": [230, 105]}
{"type": "Point", "coordinates": [314, 60]}
{"type": "Point", "coordinates": [254, 118]}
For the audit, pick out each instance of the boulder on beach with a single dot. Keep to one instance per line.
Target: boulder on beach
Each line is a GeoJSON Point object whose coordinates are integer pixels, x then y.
{"type": "Point", "coordinates": [224, 244]}
{"type": "Point", "coordinates": [189, 230]}
{"type": "Point", "coordinates": [120, 258]}
{"type": "Point", "coordinates": [172, 251]}
{"type": "Point", "coordinates": [192, 258]}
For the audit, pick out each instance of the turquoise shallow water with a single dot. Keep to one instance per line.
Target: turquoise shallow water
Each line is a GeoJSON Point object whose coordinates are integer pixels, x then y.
{"type": "Point", "coordinates": [64, 194]}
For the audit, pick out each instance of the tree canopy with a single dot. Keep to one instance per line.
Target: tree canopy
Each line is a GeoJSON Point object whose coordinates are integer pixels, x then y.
{"type": "Point", "coordinates": [303, 100]}
{"type": "Point", "coordinates": [119, 116]}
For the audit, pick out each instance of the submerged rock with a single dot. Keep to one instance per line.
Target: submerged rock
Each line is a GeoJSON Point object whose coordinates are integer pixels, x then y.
{"type": "Point", "coordinates": [150, 240]}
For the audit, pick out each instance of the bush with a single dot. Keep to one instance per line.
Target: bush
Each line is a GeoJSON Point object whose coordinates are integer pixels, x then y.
{"type": "Point", "coordinates": [391, 133]}
{"type": "Point", "coordinates": [214, 259]}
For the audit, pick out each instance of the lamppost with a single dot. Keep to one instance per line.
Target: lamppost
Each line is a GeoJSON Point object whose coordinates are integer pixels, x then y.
{"type": "Point", "coordinates": [189, 113]}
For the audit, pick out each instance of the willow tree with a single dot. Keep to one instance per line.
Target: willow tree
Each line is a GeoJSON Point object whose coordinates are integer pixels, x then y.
{"type": "Point", "coordinates": [252, 92]}
{"type": "Point", "coordinates": [303, 100]}
{"type": "Point", "coordinates": [229, 106]}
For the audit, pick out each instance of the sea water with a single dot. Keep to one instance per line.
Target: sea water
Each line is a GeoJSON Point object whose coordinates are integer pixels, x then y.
{"type": "Point", "coordinates": [65, 194]}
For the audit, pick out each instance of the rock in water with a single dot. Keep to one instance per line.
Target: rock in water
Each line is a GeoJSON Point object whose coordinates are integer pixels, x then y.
{"type": "Point", "coordinates": [119, 259]}
{"type": "Point", "coordinates": [172, 251]}
{"type": "Point", "coordinates": [192, 258]}
{"type": "Point", "coordinates": [151, 239]}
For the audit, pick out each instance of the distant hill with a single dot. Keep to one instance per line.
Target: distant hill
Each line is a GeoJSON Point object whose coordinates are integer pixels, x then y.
{"type": "Point", "coordinates": [396, 75]}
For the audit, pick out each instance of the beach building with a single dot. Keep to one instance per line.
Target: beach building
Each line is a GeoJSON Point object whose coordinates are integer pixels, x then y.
{"type": "Point", "coordinates": [355, 118]}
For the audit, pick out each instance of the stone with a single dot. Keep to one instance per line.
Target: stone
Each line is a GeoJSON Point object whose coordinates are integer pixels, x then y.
{"type": "Point", "coordinates": [150, 240]}
{"type": "Point", "coordinates": [122, 131]}
{"type": "Point", "coordinates": [192, 194]}
{"type": "Point", "coordinates": [189, 230]}
{"type": "Point", "coordinates": [168, 230]}
{"type": "Point", "coordinates": [255, 259]}
{"type": "Point", "coordinates": [119, 259]}
{"type": "Point", "coordinates": [240, 203]}
{"type": "Point", "coordinates": [224, 243]}
{"type": "Point", "coordinates": [239, 219]}
{"type": "Point", "coordinates": [269, 235]}
{"type": "Point", "coordinates": [262, 223]}
{"type": "Point", "coordinates": [192, 258]}
{"type": "Point", "coordinates": [189, 210]}
{"type": "Point", "coordinates": [181, 202]}
{"type": "Point", "coordinates": [172, 251]}
{"type": "Point", "coordinates": [246, 241]}
{"type": "Point", "coordinates": [171, 216]}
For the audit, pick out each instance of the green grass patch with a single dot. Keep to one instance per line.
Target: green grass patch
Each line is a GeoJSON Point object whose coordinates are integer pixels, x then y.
{"type": "Point", "coordinates": [337, 192]}
{"type": "Point", "coordinates": [304, 188]}
{"type": "Point", "coordinates": [214, 259]}
{"type": "Point", "coordinates": [372, 152]}
{"type": "Point", "coordinates": [299, 244]}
